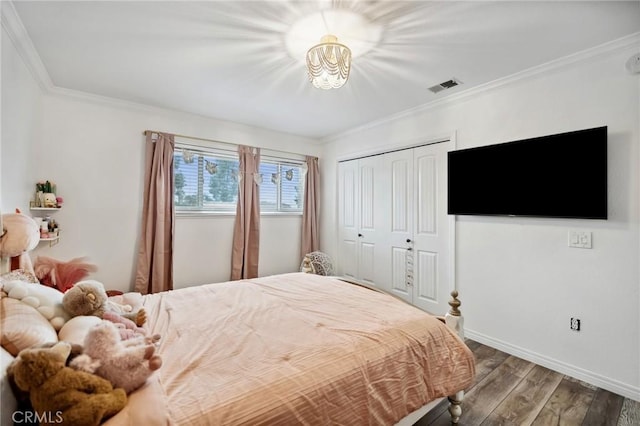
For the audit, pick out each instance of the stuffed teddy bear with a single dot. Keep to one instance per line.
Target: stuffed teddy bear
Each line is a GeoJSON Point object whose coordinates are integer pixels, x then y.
{"type": "Point", "coordinates": [126, 364]}
{"type": "Point", "coordinates": [62, 275]}
{"type": "Point", "coordinates": [46, 300]}
{"type": "Point", "coordinates": [62, 393]}
{"type": "Point", "coordinates": [90, 298]}
{"type": "Point", "coordinates": [22, 397]}
{"type": "Point", "coordinates": [19, 235]}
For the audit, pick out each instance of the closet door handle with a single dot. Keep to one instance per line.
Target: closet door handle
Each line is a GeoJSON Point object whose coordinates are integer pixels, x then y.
{"type": "Point", "coordinates": [408, 240]}
{"type": "Point", "coordinates": [409, 249]}
{"type": "Point", "coordinates": [359, 235]}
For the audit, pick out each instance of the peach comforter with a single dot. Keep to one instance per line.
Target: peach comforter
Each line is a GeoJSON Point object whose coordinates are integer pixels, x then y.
{"type": "Point", "coordinates": [293, 349]}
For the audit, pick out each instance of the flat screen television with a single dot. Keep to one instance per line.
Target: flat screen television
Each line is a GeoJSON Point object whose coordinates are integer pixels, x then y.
{"type": "Point", "coordinates": [561, 176]}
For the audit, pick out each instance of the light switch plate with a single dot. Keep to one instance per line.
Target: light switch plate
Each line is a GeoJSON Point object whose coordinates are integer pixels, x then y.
{"type": "Point", "coordinates": [580, 239]}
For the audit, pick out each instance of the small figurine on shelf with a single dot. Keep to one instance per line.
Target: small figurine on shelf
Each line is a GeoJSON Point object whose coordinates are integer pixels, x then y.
{"type": "Point", "coordinates": [59, 201]}
{"type": "Point", "coordinates": [50, 200]}
{"type": "Point", "coordinates": [45, 195]}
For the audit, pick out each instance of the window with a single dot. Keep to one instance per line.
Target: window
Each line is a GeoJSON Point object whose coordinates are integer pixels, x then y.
{"type": "Point", "coordinates": [282, 186]}
{"type": "Point", "coordinates": [206, 180]}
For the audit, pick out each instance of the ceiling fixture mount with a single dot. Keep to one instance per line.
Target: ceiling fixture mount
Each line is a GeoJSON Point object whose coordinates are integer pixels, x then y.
{"type": "Point", "coordinates": [329, 63]}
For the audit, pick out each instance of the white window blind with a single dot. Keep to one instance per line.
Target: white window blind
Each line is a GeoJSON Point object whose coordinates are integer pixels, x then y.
{"type": "Point", "coordinates": [282, 186]}
{"type": "Point", "coordinates": [206, 180]}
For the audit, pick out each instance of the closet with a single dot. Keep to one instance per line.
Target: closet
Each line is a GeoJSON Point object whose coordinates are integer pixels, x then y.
{"type": "Point", "coordinates": [393, 224]}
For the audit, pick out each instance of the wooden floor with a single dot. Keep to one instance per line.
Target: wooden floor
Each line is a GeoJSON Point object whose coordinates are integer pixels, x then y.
{"type": "Point", "coordinates": [512, 391]}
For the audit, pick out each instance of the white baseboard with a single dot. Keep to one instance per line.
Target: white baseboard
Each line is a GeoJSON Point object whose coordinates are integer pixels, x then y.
{"type": "Point", "coordinates": [624, 389]}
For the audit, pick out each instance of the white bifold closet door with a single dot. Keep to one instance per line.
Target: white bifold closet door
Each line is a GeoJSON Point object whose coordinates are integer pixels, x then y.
{"type": "Point", "coordinates": [393, 225]}
{"type": "Point", "coordinates": [360, 218]}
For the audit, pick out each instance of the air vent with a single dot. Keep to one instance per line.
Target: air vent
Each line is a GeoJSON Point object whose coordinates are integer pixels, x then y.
{"type": "Point", "coordinates": [445, 85]}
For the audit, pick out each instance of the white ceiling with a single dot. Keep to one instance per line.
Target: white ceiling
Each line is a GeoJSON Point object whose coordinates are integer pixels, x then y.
{"type": "Point", "coordinates": [227, 59]}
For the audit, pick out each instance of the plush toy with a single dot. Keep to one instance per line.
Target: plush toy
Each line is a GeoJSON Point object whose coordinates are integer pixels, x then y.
{"type": "Point", "coordinates": [126, 364]}
{"type": "Point", "coordinates": [307, 266]}
{"type": "Point", "coordinates": [19, 235]}
{"type": "Point", "coordinates": [90, 298]}
{"type": "Point", "coordinates": [22, 397]}
{"type": "Point", "coordinates": [63, 394]}
{"type": "Point", "coordinates": [46, 300]}
{"type": "Point", "coordinates": [62, 275]}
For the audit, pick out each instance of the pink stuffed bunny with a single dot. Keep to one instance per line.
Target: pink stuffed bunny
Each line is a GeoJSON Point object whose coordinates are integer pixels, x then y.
{"type": "Point", "coordinates": [126, 364]}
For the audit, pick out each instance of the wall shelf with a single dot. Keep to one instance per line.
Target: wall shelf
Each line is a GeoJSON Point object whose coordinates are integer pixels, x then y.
{"type": "Point", "coordinates": [52, 241]}
{"type": "Point", "coordinates": [38, 212]}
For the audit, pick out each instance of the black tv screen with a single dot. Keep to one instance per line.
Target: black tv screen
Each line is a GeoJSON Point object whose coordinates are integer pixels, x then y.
{"type": "Point", "coordinates": [562, 175]}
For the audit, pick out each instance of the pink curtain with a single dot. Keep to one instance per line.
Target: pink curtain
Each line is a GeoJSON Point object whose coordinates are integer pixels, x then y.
{"type": "Point", "coordinates": [246, 232]}
{"type": "Point", "coordinates": [155, 256]}
{"type": "Point", "coordinates": [310, 237]}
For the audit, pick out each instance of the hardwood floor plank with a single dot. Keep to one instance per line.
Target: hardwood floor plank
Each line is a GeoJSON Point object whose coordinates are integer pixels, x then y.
{"type": "Point", "coordinates": [557, 399]}
{"type": "Point", "coordinates": [630, 413]}
{"type": "Point", "coordinates": [487, 360]}
{"type": "Point", "coordinates": [434, 414]}
{"type": "Point", "coordinates": [483, 398]}
{"type": "Point", "coordinates": [568, 405]}
{"type": "Point", "coordinates": [524, 403]}
{"type": "Point", "coordinates": [443, 419]}
{"type": "Point", "coordinates": [471, 344]}
{"type": "Point", "coordinates": [604, 410]}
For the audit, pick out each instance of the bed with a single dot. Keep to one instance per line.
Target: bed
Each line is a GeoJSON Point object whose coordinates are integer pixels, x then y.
{"type": "Point", "coordinates": [295, 349]}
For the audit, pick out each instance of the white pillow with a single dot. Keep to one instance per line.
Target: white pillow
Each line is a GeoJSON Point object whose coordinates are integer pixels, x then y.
{"type": "Point", "coordinates": [46, 300]}
{"type": "Point", "coordinates": [75, 330]}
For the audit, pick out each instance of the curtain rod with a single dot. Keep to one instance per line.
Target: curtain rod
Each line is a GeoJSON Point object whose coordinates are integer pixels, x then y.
{"type": "Point", "coordinates": [215, 141]}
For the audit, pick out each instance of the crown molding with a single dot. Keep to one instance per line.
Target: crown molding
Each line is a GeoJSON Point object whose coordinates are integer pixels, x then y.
{"type": "Point", "coordinates": [108, 101]}
{"type": "Point", "coordinates": [14, 27]}
{"type": "Point", "coordinates": [94, 98]}
{"type": "Point", "coordinates": [632, 40]}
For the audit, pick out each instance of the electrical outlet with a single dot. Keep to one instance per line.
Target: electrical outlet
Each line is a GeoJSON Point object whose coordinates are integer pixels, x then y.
{"type": "Point", "coordinates": [575, 324]}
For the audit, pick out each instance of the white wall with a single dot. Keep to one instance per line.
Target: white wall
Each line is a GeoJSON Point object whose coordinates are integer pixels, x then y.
{"type": "Point", "coordinates": [519, 282]}
{"type": "Point", "coordinates": [21, 118]}
{"type": "Point", "coordinates": [92, 148]}
{"type": "Point", "coordinates": [209, 259]}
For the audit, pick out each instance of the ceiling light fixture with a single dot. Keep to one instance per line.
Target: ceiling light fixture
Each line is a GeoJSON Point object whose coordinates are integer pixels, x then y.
{"type": "Point", "coordinates": [328, 63]}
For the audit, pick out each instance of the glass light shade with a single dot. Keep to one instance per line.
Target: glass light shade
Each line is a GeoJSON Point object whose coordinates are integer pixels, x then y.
{"type": "Point", "coordinates": [328, 63]}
